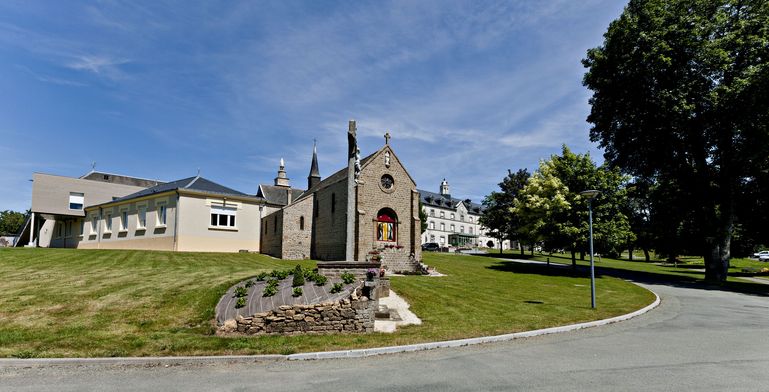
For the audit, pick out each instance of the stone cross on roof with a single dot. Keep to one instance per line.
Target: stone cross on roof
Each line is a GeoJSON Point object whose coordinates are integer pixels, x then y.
{"type": "Point", "coordinates": [387, 137]}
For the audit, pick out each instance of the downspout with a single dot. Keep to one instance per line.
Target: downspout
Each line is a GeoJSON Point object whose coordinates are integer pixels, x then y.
{"type": "Point", "coordinates": [176, 220]}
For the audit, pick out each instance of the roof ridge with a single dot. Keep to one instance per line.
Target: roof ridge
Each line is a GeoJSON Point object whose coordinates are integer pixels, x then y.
{"type": "Point", "coordinates": [192, 182]}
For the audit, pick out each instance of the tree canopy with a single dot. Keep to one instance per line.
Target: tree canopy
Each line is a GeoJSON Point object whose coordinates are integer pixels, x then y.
{"type": "Point", "coordinates": [551, 209]}
{"type": "Point", "coordinates": [11, 221]}
{"type": "Point", "coordinates": [681, 101]}
{"type": "Point", "coordinates": [497, 215]}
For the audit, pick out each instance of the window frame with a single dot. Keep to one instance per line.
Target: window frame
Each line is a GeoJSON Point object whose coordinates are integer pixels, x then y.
{"type": "Point", "coordinates": [78, 196]}
{"type": "Point", "coordinates": [223, 217]}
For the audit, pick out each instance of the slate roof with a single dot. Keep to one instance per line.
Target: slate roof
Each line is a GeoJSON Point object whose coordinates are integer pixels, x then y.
{"type": "Point", "coordinates": [437, 200]}
{"type": "Point", "coordinates": [198, 183]}
{"type": "Point", "coordinates": [277, 194]}
{"type": "Point", "coordinates": [334, 178]}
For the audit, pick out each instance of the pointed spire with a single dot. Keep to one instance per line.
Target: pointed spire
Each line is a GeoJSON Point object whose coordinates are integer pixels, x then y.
{"type": "Point", "coordinates": [314, 176]}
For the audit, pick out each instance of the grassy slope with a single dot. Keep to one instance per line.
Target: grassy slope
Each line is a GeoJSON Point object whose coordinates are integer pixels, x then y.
{"type": "Point", "coordinates": [66, 303]}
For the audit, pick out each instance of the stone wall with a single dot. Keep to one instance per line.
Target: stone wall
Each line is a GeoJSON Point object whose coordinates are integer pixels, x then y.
{"type": "Point", "coordinates": [396, 260]}
{"type": "Point", "coordinates": [329, 240]}
{"type": "Point", "coordinates": [350, 315]}
{"type": "Point", "coordinates": [403, 198]}
{"type": "Point", "coordinates": [271, 234]}
{"type": "Point", "coordinates": [296, 240]}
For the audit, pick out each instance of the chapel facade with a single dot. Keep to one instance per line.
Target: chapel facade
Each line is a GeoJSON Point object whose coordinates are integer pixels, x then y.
{"type": "Point", "coordinates": [365, 212]}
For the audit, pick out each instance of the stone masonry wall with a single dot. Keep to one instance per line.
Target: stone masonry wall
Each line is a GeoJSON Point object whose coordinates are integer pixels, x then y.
{"type": "Point", "coordinates": [401, 199]}
{"type": "Point", "coordinates": [297, 240]}
{"type": "Point", "coordinates": [330, 238]}
{"type": "Point", "coordinates": [396, 260]}
{"type": "Point", "coordinates": [350, 315]}
{"type": "Point", "coordinates": [272, 233]}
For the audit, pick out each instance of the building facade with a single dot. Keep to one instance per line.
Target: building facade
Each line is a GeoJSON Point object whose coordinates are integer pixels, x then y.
{"type": "Point", "coordinates": [453, 222]}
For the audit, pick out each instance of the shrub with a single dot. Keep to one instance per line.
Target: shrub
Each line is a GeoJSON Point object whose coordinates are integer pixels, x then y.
{"type": "Point", "coordinates": [273, 283]}
{"type": "Point", "coordinates": [270, 290]}
{"type": "Point", "coordinates": [280, 275]}
{"type": "Point", "coordinates": [320, 280]}
{"type": "Point", "coordinates": [262, 276]}
{"type": "Point", "coordinates": [241, 302]}
{"type": "Point", "coordinates": [241, 291]}
{"type": "Point", "coordinates": [310, 275]}
{"type": "Point", "coordinates": [348, 278]}
{"type": "Point", "coordinates": [337, 287]}
{"type": "Point", "coordinates": [298, 277]}
{"type": "Point", "coordinates": [249, 283]}
{"type": "Point", "coordinates": [297, 291]}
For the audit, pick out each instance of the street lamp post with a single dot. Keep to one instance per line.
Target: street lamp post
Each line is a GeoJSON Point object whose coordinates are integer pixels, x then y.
{"type": "Point", "coordinates": [590, 195]}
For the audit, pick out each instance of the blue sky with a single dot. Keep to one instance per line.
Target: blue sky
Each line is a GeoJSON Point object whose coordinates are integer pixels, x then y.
{"type": "Point", "coordinates": [158, 89]}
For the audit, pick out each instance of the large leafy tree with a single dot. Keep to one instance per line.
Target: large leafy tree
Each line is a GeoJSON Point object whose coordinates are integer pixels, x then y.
{"type": "Point", "coordinates": [681, 100]}
{"type": "Point", "coordinates": [551, 209]}
{"type": "Point", "coordinates": [498, 216]}
{"type": "Point", "coordinates": [11, 221]}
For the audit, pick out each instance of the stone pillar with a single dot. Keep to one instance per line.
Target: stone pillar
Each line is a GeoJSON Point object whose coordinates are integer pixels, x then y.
{"type": "Point", "coordinates": [352, 147]}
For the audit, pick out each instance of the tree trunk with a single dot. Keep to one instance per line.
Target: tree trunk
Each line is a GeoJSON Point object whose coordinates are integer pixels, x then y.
{"type": "Point", "coordinates": [718, 253]}
{"type": "Point", "coordinates": [520, 245]}
{"type": "Point", "coordinates": [500, 246]}
{"type": "Point", "coordinates": [573, 259]}
{"type": "Point", "coordinates": [630, 253]}
{"type": "Point", "coordinates": [531, 249]}
{"type": "Point", "coordinates": [582, 255]}
{"type": "Point", "coordinates": [646, 255]}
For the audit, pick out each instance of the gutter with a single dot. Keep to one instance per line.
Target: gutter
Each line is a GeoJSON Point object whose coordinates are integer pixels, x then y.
{"type": "Point", "coordinates": [176, 220]}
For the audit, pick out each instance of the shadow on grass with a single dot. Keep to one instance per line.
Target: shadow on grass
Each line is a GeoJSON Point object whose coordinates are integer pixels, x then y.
{"type": "Point", "coordinates": [695, 281]}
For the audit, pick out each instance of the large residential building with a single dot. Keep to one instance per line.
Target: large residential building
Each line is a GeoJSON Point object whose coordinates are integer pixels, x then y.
{"type": "Point", "coordinates": [454, 222]}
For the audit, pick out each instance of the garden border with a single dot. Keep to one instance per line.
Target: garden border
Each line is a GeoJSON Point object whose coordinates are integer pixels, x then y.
{"type": "Point", "coordinates": [354, 353]}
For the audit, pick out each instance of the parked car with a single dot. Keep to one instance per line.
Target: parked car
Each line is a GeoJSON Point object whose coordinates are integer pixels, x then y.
{"type": "Point", "coordinates": [763, 258]}
{"type": "Point", "coordinates": [431, 246]}
{"type": "Point", "coordinates": [761, 253]}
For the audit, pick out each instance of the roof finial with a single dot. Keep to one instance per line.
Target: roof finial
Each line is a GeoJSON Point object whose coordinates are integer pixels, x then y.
{"type": "Point", "coordinates": [387, 137]}
{"type": "Point", "coordinates": [198, 175]}
{"type": "Point", "coordinates": [282, 164]}
{"type": "Point", "coordinates": [93, 166]}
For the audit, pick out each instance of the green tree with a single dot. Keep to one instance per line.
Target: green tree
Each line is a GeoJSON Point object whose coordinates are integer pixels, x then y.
{"type": "Point", "coordinates": [11, 221]}
{"type": "Point", "coordinates": [552, 210]}
{"type": "Point", "coordinates": [680, 99]}
{"type": "Point", "coordinates": [498, 216]}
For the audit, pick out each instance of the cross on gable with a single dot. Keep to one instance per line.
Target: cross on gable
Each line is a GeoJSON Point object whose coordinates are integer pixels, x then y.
{"type": "Point", "coordinates": [387, 137]}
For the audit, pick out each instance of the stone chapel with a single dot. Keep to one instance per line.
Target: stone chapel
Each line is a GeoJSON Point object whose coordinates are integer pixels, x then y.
{"type": "Point", "coordinates": [363, 215]}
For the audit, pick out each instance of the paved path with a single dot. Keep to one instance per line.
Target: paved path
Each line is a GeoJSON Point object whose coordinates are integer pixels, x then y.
{"type": "Point", "coordinates": [703, 340]}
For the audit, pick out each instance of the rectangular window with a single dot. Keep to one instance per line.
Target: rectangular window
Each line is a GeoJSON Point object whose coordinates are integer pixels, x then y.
{"type": "Point", "coordinates": [452, 216]}
{"type": "Point", "coordinates": [76, 200]}
{"type": "Point", "coordinates": [432, 225]}
{"type": "Point", "coordinates": [471, 230]}
{"type": "Point", "coordinates": [461, 229]}
{"type": "Point", "coordinates": [161, 210]}
{"type": "Point", "coordinates": [443, 227]}
{"type": "Point", "coordinates": [94, 224]}
{"type": "Point", "coordinates": [123, 220]}
{"type": "Point", "coordinates": [82, 227]}
{"type": "Point", "coordinates": [432, 212]}
{"type": "Point", "coordinates": [453, 228]}
{"type": "Point", "coordinates": [443, 214]}
{"type": "Point", "coordinates": [222, 216]}
{"type": "Point", "coordinates": [141, 218]}
{"type": "Point", "coordinates": [108, 223]}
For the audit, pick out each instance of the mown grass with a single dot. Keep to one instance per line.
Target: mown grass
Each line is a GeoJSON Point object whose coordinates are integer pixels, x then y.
{"type": "Point", "coordinates": [688, 269]}
{"type": "Point", "coordinates": [98, 303]}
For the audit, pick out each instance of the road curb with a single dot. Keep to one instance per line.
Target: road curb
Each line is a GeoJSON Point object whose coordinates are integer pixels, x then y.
{"type": "Point", "coordinates": [357, 353]}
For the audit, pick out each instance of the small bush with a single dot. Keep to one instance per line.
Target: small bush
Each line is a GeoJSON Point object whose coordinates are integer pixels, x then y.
{"type": "Point", "coordinates": [309, 275]}
{"type": "Point", "coordinates": [337, 287]}
{"type": "Point", "coordinates": [249, 283]}
{"type": "Point", "coordinates": [273, 283]}
{"type": "Point", "coordinates": [241, 302]}
{"type": "Point", "coordinates": [297, 291]}
{"type": "Point", "coordinates": [241, 291]}
{"type": "Point", "coordinates": [280, 274]}
{"type": "Point", "coordinates": [298, 277]}
{"type": "Point", "coordinates": [270, 290]}
{"type": "Point", "coordinates": [320, 280]}
{"type": "Point", "coordinates": [348, 278]}
{"type": "Point", "coordinates": [262, 276]}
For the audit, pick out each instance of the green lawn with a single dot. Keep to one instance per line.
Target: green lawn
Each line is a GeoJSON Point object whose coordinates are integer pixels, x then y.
{"type": "Point", "coordinates": [690, 269]}
{"type": "Point", "coordinates": [73, 303]}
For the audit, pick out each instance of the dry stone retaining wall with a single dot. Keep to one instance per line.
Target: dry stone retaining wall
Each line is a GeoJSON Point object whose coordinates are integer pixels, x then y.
{"type": "Point", "coordinates": [351, 315]}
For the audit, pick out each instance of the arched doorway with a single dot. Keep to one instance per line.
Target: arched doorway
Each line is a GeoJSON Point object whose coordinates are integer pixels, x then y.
{"type": "Point", "coordinates": [386, 225]}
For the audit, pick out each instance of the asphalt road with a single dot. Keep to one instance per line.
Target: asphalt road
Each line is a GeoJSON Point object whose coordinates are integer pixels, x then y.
{"type": "Point", "coordinates": [697, 339]}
